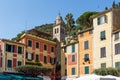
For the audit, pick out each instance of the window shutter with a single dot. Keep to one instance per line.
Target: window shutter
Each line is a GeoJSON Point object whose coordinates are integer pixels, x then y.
{"type": "Point", "coordinates": [32, 56]}
{"type": "Point", "coordinates": [26, 55]}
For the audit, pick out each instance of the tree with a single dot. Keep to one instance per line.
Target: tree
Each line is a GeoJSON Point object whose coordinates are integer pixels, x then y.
{"type": "Point", "coordinates": [70, 22]}
{"type": "Point", "coordinates": [33, 71]}
{"type": "Point", "coordinates": [85, 20]}
{"type": "Point", "coordinates": [18, 36]}
{"type": "Point", "coordinates": [113, 5]}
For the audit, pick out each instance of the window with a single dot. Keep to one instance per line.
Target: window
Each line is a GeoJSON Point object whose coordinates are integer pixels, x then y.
{"type": "Point", "coordinates": [37, 44]}
{"type": "Point", "coordinates": [116, 36]}
{"type": "Point", "coordinates": [117, 64]}
{"type": "Point", "coordinates": [73, 58]}
{"type": "Point", "coordinates": [51, 60]}
{"type": "Point", "coordinates": [9, 48]}
{"type": "Point", "coordinates": [65, 72]}
{"type": "Point", "coordinates": [86, 69]}
{"type": "Point", "coordinates": [37, 57]}
{"type": "Point", "coordinates": [81, 35]}
{"type": "Point", "coordinates": [19, 50]}
{"type": "Point", "coordinates": [86, 57]}
{"type": "Point", "coordinates": [52, 49]}
{"type": "Point", "coordinates": [65, 49]}
{"type": "Point", "coordinates": [90, 32]}
{"type": "Point", "coordinates": [45, 47]}
{"type": "Point", "coordinates": [73, 71]}
{"type": "Point", "coordinates": [45, 59]}
{"type": "Point", "coordinates": [103, 65]}
{"type": "Point", "coordinates": [103, 52]}
{"type": "Point", "coordinates": [30, 56]}
{"type": "Point", "coordinates": [86, 45]}
{"type": "Point", "coordinates": [9, 63]}
{"type": "Point", "coordinates": [57, 30]}
{"type": "Point", "coordinates": [29, 43]}
{"type": "Point", "coordinates": [19, 63]}
{"type": "Point", "coordinates": [102, 19]}
{"type": "Point", "coordinates": [102, 35]}
{"type": "Point", "coordinates": [117, 48]}
{"type": "Point", "coordinates": [73, 47]}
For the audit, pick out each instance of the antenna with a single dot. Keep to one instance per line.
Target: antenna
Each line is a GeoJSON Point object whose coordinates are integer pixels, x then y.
{"type": "Point", "coordinates": [26, 26]}
{"type": "Point", "coordinates": [59, 13]}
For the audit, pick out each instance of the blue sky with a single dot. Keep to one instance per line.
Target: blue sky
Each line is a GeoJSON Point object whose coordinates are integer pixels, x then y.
{"type": "Point", "coordinates": [19, 15]}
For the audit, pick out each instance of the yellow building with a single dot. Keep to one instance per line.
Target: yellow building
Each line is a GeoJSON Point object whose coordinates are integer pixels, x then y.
{"type": "Point", "coordinates": [12, 54]}
{"type": "Point", "coordinates": [85, 39]}
{"type": "Point", "coordinates": [104, 24]}
{"type": "Point", "coordinates": [69, 59]}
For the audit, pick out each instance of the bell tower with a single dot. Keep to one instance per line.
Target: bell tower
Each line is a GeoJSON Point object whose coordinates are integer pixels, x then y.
{"type": "Point", "coordinates": [59, 29]}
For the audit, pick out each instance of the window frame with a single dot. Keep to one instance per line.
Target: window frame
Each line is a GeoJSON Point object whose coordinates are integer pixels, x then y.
{"type": "Point", "coordinates": [86, 44]}
{"type": "Point", "coordinates": [29, 43]}
{"type": "Point", "coordinates": [103, 52]}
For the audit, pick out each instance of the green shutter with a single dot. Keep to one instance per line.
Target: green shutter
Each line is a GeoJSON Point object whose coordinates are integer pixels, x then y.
{"type": "Point", "coordinates": [86, 70]}
{"type": "Point", "coordinates": [9, 63]}
{"type": "Point", "coordinates": [7, 47]}
{"type": "Point", "coordinates": [102, 35]}
{"type": "Point", "coordinates": [103, 65]}
{"type": "Point", "coordinates": [19, 50]}
{"type": "Point", "coordinates": [19, 63]}
{"type": "Point", "coordinates": [117, 64]}
{"type": "Point", "coordinates": [98, 20]}
{"type": "Point", "coordinates": [73, 48]}
{"type": "Point", "coordinates": [73, 71]}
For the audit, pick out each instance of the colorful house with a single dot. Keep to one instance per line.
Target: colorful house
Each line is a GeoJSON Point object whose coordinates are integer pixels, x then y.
{"type": "Point", "coordinates": [40, 49]}
{"type": "Point", "coordinates": [69, 59]}
{"type": "Point", "coordinates": [85, 39]}
{"type": "Point", "coordinates": [12, 54]}
{"type": "Point", "coordinates": [104, 24]}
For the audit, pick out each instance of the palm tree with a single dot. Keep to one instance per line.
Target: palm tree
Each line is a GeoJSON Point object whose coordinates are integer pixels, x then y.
{"type": "Point", "coordinates": [70, 22]}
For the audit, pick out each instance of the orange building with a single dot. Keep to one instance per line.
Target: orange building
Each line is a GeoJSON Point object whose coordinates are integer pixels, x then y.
{"type": "Point", "coordinates": [85, 39]}
{"type": "Point", "coordinates": [40, 49]}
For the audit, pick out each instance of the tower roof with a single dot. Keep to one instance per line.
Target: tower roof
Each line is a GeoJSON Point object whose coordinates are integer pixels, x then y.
{"type": "Point", "coordinates": [59, 19]}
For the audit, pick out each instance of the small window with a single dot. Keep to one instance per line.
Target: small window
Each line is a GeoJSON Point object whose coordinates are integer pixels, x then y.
{"type": "Point", "coordinates": [86, 69]}
{"type": "Point", "coordinates": [81, 35]}
{"type": "Point", "coordinates": [73, 71]}
{"type": "Point", "coordinates": [73, 47]}
{"type": "Point", "coordinates": [65, 72]}
{"type": "Point", "coordinates": [102, 35]}
{"type": "Point", "coordinates": [116, 36]}
{"type": "Point", "coordinates": [102, 19]}
{"type": "Point", "coordinates": [117, 64]}
{"type": "Point", "coordinates": [45, 59]}
{"type": "Point", "coordinates": [86, 57]}
{"type": "Point", "coordinates": [86, 45]}
{"type": "Point", "coordinates": [19, 63]}
{"type": "Point", "coordinates": [45, 47]}
{"type": "Point", "coordinates": [37, 57]}
{"type": "Point", "coordinates": [29, 43]}
{"type": "Point", "coordinates": [52, 49]}
{"type": "Point", "coordinates": [57, 30]}
{"type": "Point", "coordinates": [103, 65]}
{"type": "Point", "coordinates": [90, 32]}
{"type": "Point", "coordinates": [117, 48]}
{"type": "Point", "coordinates": [73, 58]}
{"type": "Point", "coordinates": [29, 56]}
{"type": "Point", "coordinates": [9, 48]}
{"type": "Point", "coordinates": [37, 44]}
{"type": "Point", "coordinates": [65, 49]}
{"type": "Point", "coordinates": [9, 63]}
{"type": "Point", "coordinates": [19, 50]}
{"type": "Point", "coordinates": [103, 52]}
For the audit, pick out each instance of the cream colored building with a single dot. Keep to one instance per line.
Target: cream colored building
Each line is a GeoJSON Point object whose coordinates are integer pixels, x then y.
{"type": "Point", "coordinates": [104, 24]}
{"type": "Point", "coordinates": [116, 48]}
